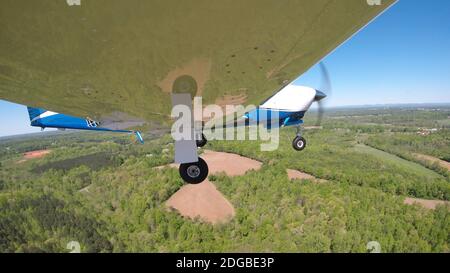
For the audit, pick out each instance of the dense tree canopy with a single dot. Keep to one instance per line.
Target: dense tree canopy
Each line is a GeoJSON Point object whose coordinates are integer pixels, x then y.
{"type": "Point", "coordinates": [103, 192]}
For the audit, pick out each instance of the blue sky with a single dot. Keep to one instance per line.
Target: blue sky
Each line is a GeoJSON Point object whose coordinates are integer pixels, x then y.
{"type": "Point", "coordinates": [402, 57]}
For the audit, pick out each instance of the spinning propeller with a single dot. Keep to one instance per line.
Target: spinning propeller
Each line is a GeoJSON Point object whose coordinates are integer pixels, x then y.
{"type": "Point", "coordinates": [324, 91]}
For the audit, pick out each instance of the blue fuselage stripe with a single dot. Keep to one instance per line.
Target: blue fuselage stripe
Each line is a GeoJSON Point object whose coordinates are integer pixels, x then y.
{"type": "Point", "coordinates": [61, 121]}
{"type": "Point", "coordinates": [261, 115]}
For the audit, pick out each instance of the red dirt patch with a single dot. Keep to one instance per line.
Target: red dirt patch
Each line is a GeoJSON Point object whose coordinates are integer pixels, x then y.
{"type": "Point", "coordinates": [442, 163]}
{"type": "Point", "coordinates": [230, 164]}
{"type": "Point", "coordinates": [298, 175]}
{"type": "Point", "coordinates": [34, 155]}
{"type": "Point", "coordinates": [294, 174]}
{"type": "Point", "coordinates": [203, 201]}
{"type": "Point", "coordinates": [429, 204]}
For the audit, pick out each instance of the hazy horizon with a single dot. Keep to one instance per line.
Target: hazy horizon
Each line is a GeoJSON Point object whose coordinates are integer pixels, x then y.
{"type": "Point", "coordinates": [34, 130]}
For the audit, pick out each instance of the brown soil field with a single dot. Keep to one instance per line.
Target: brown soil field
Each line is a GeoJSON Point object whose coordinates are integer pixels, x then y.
{"type": "Point", "coordinates": [298, 175]}
{"type": "Point", "coordinates": [443, 163]}
{"type": "Point", "coordinates": [204, 201]}
{"type": "Point", "coordinates": [429, 204]}
{"type": "Point", "coordinates": [33, 155]}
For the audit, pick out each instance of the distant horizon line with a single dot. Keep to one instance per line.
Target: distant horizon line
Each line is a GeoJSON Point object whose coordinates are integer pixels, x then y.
{"type": "Point", "coordinates": [391, 104]}
{"type": "Point", "coordinates": [426, 104]}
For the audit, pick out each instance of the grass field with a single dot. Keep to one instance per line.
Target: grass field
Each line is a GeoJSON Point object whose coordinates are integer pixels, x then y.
{"type": "Point", "coordinates": [393, 159]}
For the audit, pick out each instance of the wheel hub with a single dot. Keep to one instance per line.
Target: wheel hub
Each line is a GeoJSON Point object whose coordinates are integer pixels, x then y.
{"type": "Point", "coordinates": [193, 171]}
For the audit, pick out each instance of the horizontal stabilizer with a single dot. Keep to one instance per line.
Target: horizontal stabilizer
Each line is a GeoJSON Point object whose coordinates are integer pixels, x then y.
{"type": "Point", "coordinates": [139, 137]}
{"type": "Point", "coordinates": [34, 113]}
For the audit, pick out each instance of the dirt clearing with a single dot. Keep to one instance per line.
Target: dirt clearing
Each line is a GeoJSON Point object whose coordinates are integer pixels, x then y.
{"type": "Point", "coordinates": [230, 164]}
{"type": "Point", "coordinates": [442, 163]}
{"type": "Point", "coordinates": [294, 174]}
{"type": "Point", "coordinates": [204, 201]}
{"type": "Point", "coordinates": [298, 175]}
{"type": "Point", "coordinates": [34, 155]}
{"type": "Point", "coordinates": [429, 204]}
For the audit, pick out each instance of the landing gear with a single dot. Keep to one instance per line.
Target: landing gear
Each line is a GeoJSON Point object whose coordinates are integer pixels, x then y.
{"type": "Point", "coordinates": [202, 142]}
{"type": "Point", "coordinates": [299, 143]}
{"type": "Point", "coordinates": [195, 172]}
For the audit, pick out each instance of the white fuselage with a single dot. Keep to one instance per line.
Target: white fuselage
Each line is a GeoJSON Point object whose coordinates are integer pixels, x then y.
{"type": "Point", "coordinates": [292, 98]}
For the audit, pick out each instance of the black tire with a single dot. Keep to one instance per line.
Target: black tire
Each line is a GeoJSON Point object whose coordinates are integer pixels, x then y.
{"type": "Point", "coordinates": [202, 142]}
{"type": "Point", "coordinates": [299, 143]}
{"type": "Point", "coordinates": [195, 172]}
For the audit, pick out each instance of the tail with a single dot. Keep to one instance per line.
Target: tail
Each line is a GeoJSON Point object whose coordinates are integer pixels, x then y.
{"type": "Point", "coordinates": [34, 113]}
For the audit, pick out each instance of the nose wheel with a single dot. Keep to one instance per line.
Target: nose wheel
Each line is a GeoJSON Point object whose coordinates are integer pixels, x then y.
{"type": "Point", "coordinates": [195, 172]}
{"type": "Point", "coordinates": [299, 143]}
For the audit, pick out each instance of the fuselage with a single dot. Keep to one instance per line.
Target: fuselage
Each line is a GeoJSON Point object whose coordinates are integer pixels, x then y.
{"type": "Point", "coordinates": [48, 119]}
{"type": "Point", "coordinates": [285, 108]}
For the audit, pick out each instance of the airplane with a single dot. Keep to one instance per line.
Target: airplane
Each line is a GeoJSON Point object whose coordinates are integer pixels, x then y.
{"type": "Point", "coordinates": [136, 60]}
{"type": "Point", "coordinates": [285, 108]}
{"type": "Point", "coordinates": [48, 119]}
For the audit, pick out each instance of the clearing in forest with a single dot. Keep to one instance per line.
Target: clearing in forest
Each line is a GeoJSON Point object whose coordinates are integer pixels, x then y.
{"type": "Point", "coordinates": [429, 204]}
{"type": "Point", "coordinates": [298, 175]}
{"type": "Point", "coordinates": [442, 163]}
{"type": "Point", "coordinates": [34, 154]}
{"type": "Point", "coordinates": [204, 201]}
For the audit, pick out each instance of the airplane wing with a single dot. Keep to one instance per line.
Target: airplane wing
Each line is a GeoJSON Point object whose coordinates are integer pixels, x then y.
{"type": "Point", "coordinates": [117, 60]}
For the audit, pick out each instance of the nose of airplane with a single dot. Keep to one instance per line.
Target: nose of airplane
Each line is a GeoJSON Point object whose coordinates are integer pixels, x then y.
{"type": "Point", "coordinates": [319, 95]}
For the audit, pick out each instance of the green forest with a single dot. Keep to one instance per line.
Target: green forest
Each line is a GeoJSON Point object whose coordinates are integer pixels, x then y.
{"type": "Point", "coordinates": [102, 191]}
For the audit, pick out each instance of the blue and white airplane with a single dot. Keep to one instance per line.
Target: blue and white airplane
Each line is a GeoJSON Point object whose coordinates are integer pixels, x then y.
{"type": "Point", "coordinates": [285, 108]}
{"type": "Point", "coordinates": [289, 106]}
{"type": "Point", "coordinates": [47, 119]}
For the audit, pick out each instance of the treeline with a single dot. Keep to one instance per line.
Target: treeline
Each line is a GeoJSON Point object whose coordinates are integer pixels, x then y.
{"type": "Point", "coordinates": [40, 222]}
{"type": "Point", "coordinates": [436, 144]}
{"type": "Point", "coordinates": [331, 155]}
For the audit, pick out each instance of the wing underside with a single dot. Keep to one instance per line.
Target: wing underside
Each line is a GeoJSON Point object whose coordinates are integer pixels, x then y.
{"type": "Point", "coordinates": [119, 60]}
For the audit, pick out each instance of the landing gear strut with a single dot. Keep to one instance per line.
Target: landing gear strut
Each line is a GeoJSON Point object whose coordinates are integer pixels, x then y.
{"type": "Point", "coordinates": [193, 169]}
{"type": "Point", "coordinates": [299, 143]}
{"type": "Point", "coordinates": [195, 172]}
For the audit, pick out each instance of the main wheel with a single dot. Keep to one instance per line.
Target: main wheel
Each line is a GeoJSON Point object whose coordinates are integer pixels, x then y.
{"type": "Point", "coordinates": [299, 143]}
{"type": "Point", "coordinates": [195, 172]}
{"type": "Point", "coordinates": [202, 142]}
